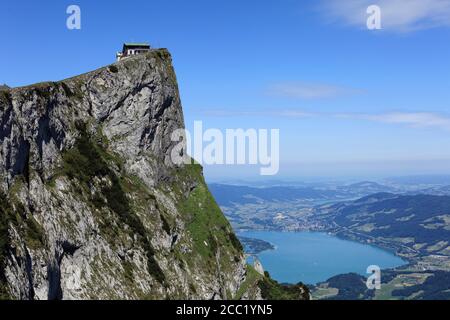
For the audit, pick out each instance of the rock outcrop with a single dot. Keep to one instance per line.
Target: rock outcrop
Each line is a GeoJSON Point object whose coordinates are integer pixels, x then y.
{"type": "Point", "coordinates": [91, 205]}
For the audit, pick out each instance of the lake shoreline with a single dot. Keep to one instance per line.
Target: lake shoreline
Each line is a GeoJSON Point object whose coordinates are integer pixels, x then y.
{"type": "Point", "coordinates": [343, 236]}
{"type": "Point", "coordinates": [333, 244]}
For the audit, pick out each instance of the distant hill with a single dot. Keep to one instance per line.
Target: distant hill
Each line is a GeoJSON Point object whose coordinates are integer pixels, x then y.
{"type": "Point", "coordinates": [419, 222]}
{"type": "Point", "coordinates": [376, 197]}
{"type": "Point", "coordinates": [436, 191]}
{"type": "Point", "coordinates": [418, 285]}
{"type": "Point", "coordinates": [417, 227]}
{"type": "Point", "coordinates": [421, 179]}
{"type": "Point", "coordinates": [367, 187]}
{"type": "Point", "coordinates": [228, 195]}
{"type": "Point", "coordinates": [4, 87]}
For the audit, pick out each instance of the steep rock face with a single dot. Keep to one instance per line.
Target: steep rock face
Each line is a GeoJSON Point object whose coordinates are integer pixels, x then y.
{"type": "Point", "coordinates": [91, 206]}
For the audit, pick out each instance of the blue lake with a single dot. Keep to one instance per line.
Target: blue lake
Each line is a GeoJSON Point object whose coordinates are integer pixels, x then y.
{"type": "Point", "coordinates": [312, 257]}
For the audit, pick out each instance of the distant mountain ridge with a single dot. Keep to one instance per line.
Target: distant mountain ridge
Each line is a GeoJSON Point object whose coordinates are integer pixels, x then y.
{"type": "Point", "coordinates": [227, 195]}
{"type": "Point", "coordinates": [420, 223]}
{"type": "Point", "coordinates": [436, 191]}
{"type": "Point", "coordinates": [413, 222]}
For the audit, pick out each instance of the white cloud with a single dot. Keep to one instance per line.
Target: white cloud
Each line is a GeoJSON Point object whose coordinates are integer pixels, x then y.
{"type": "Point", "coordinates": [420, 119]}
{"type": "Point", "coordinates": [411, 119]}
{"type": "Point", "coordinates": [308, 91]}
{"type": "Point", "coordinates": [396, 15]}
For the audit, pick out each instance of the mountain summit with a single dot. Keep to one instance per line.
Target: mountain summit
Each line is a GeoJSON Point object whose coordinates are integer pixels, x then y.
{"type": "Point", "coordinates": [91, 206]}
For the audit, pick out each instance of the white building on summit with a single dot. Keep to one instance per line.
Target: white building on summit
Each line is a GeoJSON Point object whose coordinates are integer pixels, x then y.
{"type": "Point", "coordinates": [132, 49]}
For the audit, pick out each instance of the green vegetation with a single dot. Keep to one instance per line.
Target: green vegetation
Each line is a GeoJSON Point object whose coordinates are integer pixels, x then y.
{"type": "Point", "coordinates": [421, 209]}
{"type": "Point", "coordinates": [251, 281]}
{"type": "Point", "coordinates": [44, 90]}
{"type": "Point", "coordinates": [128, 271]}
{"type": "Point", "coordinates": [5, 96]}
{"type": "Point", "coordinates": [67, 90]}
{"type": "Point", "coordinates": [324, 292]}
{"type": "Point", "coordinates": [435, 287]}
{"type": "Point", "coordinates": [76, 93]}
{"type": "Point", "coordinates": [272, 290]}
{"type": "Point", "coordinates": [32, 232]}
{"type": "Point", "coordinates": [13, 213]}
{"type": "Point", "coordinates": [207, 224]}
{"type": "Point", "coordinates": [351, 286]}
{"type": "Point", "coordinates": [5, 213]}
{"type": "Point", "coordinates": [235, 241]}
{"type": "Point", "coordinates": [396, 285]}
{"type": "Point", "coordinates": [255, 246]}
{"type": "Point", "coordinates": [86, 161]}
{"type": "Point", "coordinates": [165, 224]}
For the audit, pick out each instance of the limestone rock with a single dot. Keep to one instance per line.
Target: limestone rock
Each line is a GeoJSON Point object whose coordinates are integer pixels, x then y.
{"type": "Point", "coordinates": [91, 206]}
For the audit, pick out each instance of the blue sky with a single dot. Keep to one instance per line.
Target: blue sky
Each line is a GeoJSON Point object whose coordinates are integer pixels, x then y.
{"type": "Point", "coordinates": [349, 102]}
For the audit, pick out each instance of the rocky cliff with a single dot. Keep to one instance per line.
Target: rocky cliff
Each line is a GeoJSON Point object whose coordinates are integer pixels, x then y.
{"type": "Point", "coordinates": [91, 206]}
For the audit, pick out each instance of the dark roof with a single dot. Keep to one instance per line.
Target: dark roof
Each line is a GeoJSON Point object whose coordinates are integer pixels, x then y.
{"type": "Point", "coordinates": [136, 45]}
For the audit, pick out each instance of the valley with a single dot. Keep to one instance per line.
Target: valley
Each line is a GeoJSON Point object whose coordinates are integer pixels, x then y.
{"type": "Point", "coordinates": [412, 221]}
